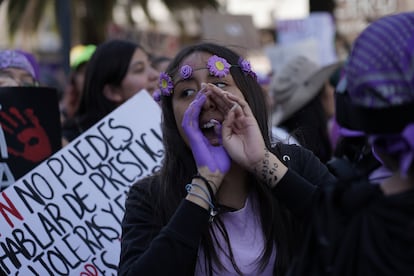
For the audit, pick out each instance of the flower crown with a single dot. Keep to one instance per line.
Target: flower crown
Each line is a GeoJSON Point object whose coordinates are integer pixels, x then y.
{"type": "Point", "coordinates": [216, 65]}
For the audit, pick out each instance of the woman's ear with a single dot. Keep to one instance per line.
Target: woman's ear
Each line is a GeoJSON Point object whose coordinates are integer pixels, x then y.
{"type": "Point", "coordinates": [112, 93]}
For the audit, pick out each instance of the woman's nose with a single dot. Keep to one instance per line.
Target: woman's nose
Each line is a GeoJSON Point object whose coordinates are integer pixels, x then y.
{"type": "Point", "coordinates": [153, 74]}
{"type": "Point", "coordinates": [209, 103]}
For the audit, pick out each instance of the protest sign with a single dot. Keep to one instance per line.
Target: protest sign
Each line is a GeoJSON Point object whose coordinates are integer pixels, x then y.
{"type": "Point", "coordinates": [29, 130]}
{"type": "Point", "coordinates": [280, 55]}
{"type": "Point", "coordinates": [318, 26]}
{"type": "Point", "coordinates": [64, 216]}
{"type": "Point", "coordinates": [236, 31]}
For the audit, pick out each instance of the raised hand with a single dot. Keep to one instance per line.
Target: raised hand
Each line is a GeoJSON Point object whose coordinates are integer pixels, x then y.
{"type": "Point", "coordinates": [207, 156]}
{"type": "Point", "coordinates": [28, 131]}
{"type": "Point", "coordinates": [242, 137]}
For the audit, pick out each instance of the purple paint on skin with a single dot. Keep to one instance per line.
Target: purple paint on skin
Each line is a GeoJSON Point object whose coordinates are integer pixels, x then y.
{"type": "Point", "coordinates": [205, 154]}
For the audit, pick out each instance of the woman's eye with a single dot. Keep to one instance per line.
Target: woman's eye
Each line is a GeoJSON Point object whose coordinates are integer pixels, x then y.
{"type": "Point", "coordinates": [137, 69]}
{"type": "Point", "coordinates": [220, 84]}
{"type": "Point", "coordinates": [188, 92]}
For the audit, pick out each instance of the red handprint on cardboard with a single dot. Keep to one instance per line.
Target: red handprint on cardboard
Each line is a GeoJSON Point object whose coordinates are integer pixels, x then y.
{"type": "Point", "coordinates": [32, 141]}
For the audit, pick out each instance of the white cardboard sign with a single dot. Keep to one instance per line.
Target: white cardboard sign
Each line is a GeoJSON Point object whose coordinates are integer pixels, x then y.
{"type": "Point", "coordinates": [319, 26]}
{"type": "Point", "coordinates": [64, 216]}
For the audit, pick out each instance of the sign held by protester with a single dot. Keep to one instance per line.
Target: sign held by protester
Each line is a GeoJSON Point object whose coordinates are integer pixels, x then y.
{"type": "Point", "coordinates": [29, 130]}
{"type": "Point", "coordinates": [318, 26]}
{"type": "Point", "coordinates": [64, 216]}
{"type": "Point", "coordinates": [236, 31]}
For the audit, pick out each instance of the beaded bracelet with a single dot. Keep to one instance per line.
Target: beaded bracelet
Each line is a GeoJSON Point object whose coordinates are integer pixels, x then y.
{"type": "Point", "coordinates": [207, 182]}
{"type": "Point", "coordinates": [213, 211]}
{"type": "Point", "coordinates": [189, 188]}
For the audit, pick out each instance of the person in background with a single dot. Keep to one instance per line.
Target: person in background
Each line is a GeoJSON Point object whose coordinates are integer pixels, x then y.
{"type": "Point", "coordinates": [364, 225]}
{"type": "Point", "coordinates": [278, 134]}
{"type": "Point", "coordinates": [79, 57]}
{"type": "Point", "coordinates": [304, 103]}
{"type": "Point", "coordinates": [117, 70]}
{"type": "Point", "coordinates": [16, 69]}
{"type": "Point", "coordinates": [264, 80]}
{"type": "Point", "coordinates": [160, 63]}
{"type": "Point", "coordinates": [33, 61]}
{"type": "Point", "coordinates": [214, 207]}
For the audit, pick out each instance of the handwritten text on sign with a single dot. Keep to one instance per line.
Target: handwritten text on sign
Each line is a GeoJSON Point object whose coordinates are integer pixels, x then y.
{"type": "Point", "coordinates": [64, 217]}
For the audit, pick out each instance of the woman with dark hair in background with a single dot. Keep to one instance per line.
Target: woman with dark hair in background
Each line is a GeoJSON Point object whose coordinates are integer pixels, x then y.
{"type": "Point", "coordinates": [304, 103]}
{"type": "Point", "coordinates": [214, 207]}
{"type": "Point", "coordinates": [79, 57]}
{"type": "Point", "coordinates": [364, 224]}
{"type": "Point", "coordinates": [160, 63]}
{"type": "Point", "coordinates": [117, 70]}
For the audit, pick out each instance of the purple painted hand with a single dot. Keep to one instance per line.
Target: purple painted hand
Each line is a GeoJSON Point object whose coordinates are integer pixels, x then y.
{"type": "Point", "coordinates": [205, 154]}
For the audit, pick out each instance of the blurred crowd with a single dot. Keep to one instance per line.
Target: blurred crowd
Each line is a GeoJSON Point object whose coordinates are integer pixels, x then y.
{"type": "Point", "coordinates": [103, 76]}
{"type": "Point", "coordinates": [301, 106]}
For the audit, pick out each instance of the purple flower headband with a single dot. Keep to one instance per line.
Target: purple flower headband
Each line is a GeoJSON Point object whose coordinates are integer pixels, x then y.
{"type": "Point", "coordinates": [216, 65]}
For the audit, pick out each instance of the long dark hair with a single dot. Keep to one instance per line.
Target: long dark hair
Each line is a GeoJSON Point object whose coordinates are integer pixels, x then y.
{"type": "Point", "coordinates": [179, 166]}
{"type": "Point", "coordinates": [107, 66]}
{"type": "Point", "coordinates": [309, 126]}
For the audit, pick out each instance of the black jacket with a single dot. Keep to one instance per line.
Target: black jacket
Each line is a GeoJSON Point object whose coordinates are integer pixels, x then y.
{"type": "Point", "coordinates": [356, 230]}
{"type": "Point", "coordinates": [151, 249]}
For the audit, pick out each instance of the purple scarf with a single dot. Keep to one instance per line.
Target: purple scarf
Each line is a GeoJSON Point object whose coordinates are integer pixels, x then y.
{"type": "Point", "coordinates": [400, 146]}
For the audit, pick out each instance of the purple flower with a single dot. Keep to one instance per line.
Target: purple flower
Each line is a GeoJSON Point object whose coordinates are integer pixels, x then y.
{"type": "Point", "coordinates": [186, 72]}
{"type": "Point", "coordinates": [253, 75]}
{"type": "Point", "coordinates": [157, 95]}
{"type": "Point", "coordinates": [247, 68]}
{"type": "Point", "coordinates": [245, 65]}
{"type": "Point", "coordinates": [165, 83]}
{"type": "Point", "coordinates": [218, 66]}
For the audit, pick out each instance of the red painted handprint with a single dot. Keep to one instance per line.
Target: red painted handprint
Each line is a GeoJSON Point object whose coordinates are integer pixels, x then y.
{"type": "Point", "coordinates": [28, 132]}
{"type": "Point", "coordinates": [90, 270]}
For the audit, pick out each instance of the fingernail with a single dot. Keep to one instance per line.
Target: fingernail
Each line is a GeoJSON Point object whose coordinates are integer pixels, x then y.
{"type": "Point", "coordinates": [234, 106]}
{"type": "Point", "coordinates": [202, 89]}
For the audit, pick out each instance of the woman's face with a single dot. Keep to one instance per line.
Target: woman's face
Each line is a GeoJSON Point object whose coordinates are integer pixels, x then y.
{"type": "Point", "coordinates": [16, 77]}
{"type": "Point", "coordinates": [186, 90]}
{"type": "Point", "coordinates": [140, 75]}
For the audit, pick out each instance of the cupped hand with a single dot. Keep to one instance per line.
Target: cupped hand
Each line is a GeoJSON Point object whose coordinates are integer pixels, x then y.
{"type": "Point", "coordinates": [242, 137]}
{"type": "Point", "coordinates": [213, 159]}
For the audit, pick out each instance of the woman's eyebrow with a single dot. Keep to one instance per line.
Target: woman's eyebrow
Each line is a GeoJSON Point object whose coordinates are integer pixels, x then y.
{"type": "Point", "coordinates": [211, 78]}
{"type": "Point", "coordinates": [137, 63]}
{"type": "Point", "coordinates": [180, 80]}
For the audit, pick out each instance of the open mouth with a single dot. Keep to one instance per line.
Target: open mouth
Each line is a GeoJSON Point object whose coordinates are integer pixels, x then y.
{"type": "Point", "coordinates": [212, 131]}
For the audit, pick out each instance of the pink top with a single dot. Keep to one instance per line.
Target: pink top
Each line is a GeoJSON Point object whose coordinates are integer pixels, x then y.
{"type": "Point", "coordinates": [246, 239]}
